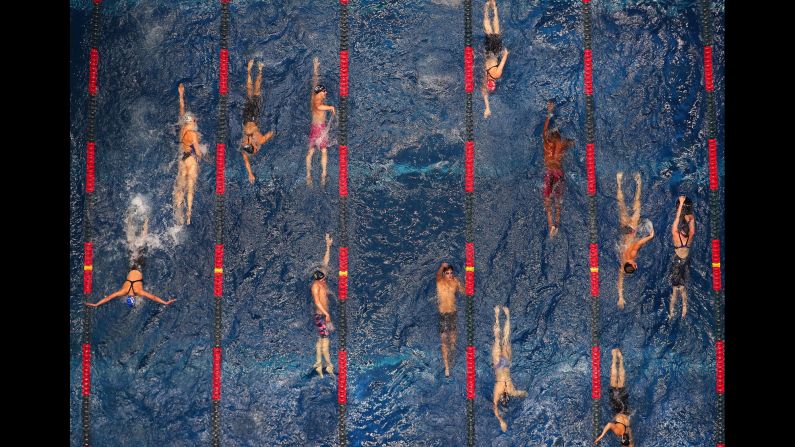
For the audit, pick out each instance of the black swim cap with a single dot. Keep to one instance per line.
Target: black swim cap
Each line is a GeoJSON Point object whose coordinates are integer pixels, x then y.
{"type": "Point", "coordinates": [248, 148]}
{"type": "Point", "coordinates": [629, 268]}
{"type": "Point", "coordinates": [318, 275]}
{"type": "Point", "coordinates": [625, 439]}
{"type": "Point", "coordinates": [319, 88]}
{"type": "Point", "coordinates": [504, 399]}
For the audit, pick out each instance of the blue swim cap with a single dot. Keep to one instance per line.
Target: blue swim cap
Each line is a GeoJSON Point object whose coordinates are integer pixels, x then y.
{"type": "Point", "coordinates": [131, 301]}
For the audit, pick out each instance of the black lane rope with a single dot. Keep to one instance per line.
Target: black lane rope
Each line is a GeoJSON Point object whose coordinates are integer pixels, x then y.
{"type": "Point", "coordinates": [218, 273]}
{"type": "Point", "coordinates": [88, 212]}
{"type": "Point", "coordinates": [469, 190]}
{"type": "Point", "coordinates": [714, 207]}
{"type": "Point", "coordinates": [342, 284]}
{"type": "Point", "coordinates": [593, 248]}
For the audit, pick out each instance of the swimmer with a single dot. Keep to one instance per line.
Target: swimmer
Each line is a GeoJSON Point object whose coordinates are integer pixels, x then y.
{"type": "Point", "coordinates": [554, 182]}
{"type": "Point", "coordinates": [493, 46]}
{"type": "Point", "coordinates": [252, 138]}
{"type": "Point", "coordinates": [682, 232]}
{"type": "Point", "coordinates": [318, 132]}
{"type": "Point", "coordinates": [446, 287]}
{"type": "Point", "coordinates": [322, 317]}
{"type": "Point", "coordinates": [501, 362]}
{"type": "Point", "coordinates": [629, 245]}
{"type": "Point", "coordinates": [133, 285]}
{"type": "Point", "coordinates": [619, 402]}
{"type": "Point", "coordinates": [188, 162]}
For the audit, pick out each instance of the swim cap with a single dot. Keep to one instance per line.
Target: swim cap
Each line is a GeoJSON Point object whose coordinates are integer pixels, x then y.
{"type": "Point", "coordinates": [318, 275]}
{"type": "Point", "coordinates": [629, 268]}
{"type": "Point", "coordinates": [319, 88]}
{"type": "Point", "coordinates": [131, 301]}
{"type": "Point", "coordinates": [248, 148]}
{"type": "Point", "coordinates": [187, 118]}
{"type": "Point", "coordinates": [504, 399]}
{"type": "Point", "coordinates": [491, 85]}
{"type": "Point", "coordinates": [625, 439]}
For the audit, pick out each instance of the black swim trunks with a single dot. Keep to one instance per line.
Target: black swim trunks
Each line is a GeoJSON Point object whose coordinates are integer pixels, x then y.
{"type": "Point", "coordinates": [493, 43]}
{"type": "Point", "coordinates": [679, 270]}
{"type": "Point", "coordinates": [447, 322]}
{"type": "Point", "coordinates": [626, 229]}
{"type": "Point", "coordinates": [619, 400]}
{"type": "Point", "coordinates": [252, 109]}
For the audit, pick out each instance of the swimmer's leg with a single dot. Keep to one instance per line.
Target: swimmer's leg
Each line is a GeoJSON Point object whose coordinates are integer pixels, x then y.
{"type": "Point", "coordinates": [674, 292]}
{"type": "Point", "coordinates": [446, 353]}
{"type": "Point", "coordinates": [621, 383]}
{"type": "Point", "coordinates": [486, 22]}
{"type": "Point", "coordinates": [495, 348]}
{"type": "Point", "coordinates": [499, 388]}
{"type": "Point", "coordinates": [548, 208]}
{"type": "Point", "coordinates": [506, 335]}
{"type": "Point", "coordinates": [323, 162]}
{"type": "Point", "coordinates": [327, 355]}
{"type": "Point", "coordinates": [684, 301]}
{"type": "Point", "coordinates": [249, 85]}
{"type": "Point", "coordinates": [614, 369]}
{"type": "Point", "coordinates": [636, 202]}
{"type": "Point", "coordinates": [309, 154]}
{"type": "Point", "coordinates": [621, 286]}
{"type": "Point", "coordinates": [623, 217]}
{"type": "Point", "coordinates": [193, 173]}
{"type": "Point", "coordinates": [179, 196]}
{"type": "Point", "coordinates": [496, 23]}
{"type": "Point", "coordinates": [319, 356]}
{"type": "Point", "coordinates": [258, 83]}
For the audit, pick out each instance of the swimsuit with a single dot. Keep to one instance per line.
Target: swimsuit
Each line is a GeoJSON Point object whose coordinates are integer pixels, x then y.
{"type": "Point", "coordinates": [553, 183]}
{"type": "Point", "coordinates": [192, 151]}
{"type": "Point", "coordinates": [320, 322]}
{"type": "Point", "coordinates": [502, 363]}
{"type": "Point", "coordinates": [679, 271]}
{"type": "Point", "coordinates": [491, 82]}
{"type": "Point", "coordinates": [626, 229]}
{"type": "Point", "coordinates": [129, 291]}
{"type": "Point", "coordinates": [447, 322]}
{"type": "Point", "coordinates": [618, 400]}
{"type": "Point", "coordinates": [251, 110]}
{"type": "Point", "coordinates": [318, 136]}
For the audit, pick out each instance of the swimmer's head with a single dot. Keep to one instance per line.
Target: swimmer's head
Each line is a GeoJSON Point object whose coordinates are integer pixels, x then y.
{"type": "Point", "coordinates": [248, 148]}
{"type": "Point", "coordinates": [320, 88]}
{"type": "Point", "coordinates": [188, 118]}
{"type": "Point", "coordinates": [448, 271]}
{"type": "Point", "coordinates": [630, 267]}
{"type": "Point", "coordinates": [687, 207]}
{"type": "Point", "coordinates": [318, 275]}
{"type": "Point", "coordinates": [553, 134]}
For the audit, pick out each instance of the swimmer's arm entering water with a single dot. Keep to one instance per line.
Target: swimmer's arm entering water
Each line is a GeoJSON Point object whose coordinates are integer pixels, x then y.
{"type": "Point", "coordinates": [327, 256]}
{"type": "Point", "coordinates": [485, 92]}
{"type": "Point", "coordinates": [113, 295]}
{"type": "Point", "coordinates": [604, 432]}
{"type": "Point", "coordinates": [550, 107]}
{"type": "Point", "coordinates": [496, 400]}
{"type": "Point", "coordinates": [181, 90]}
{"type": "Point", "coordinates": [496, 72]}
{"type": "Point", "coordinates": [675, 225]}
{"type": "Point", "coordinates": [155, 298]}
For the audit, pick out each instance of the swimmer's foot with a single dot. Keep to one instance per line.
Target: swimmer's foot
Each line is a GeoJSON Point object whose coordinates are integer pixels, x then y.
{"type": "Point", "coordinates": [260, 65]}
{"type": "Point", "coordinates": [308, 180]}
{"type": "Point", "coordinates": [250, 64]}
{"type": "Point", "coordinates": [619, 176]}
{"type": "Point", "coordinates": [330, 369]}
{"type": "Point", "coordinates": [251, 179]}
{"type": "Point", "coordinates": [319, 369]}
{"type": "Point", "coordinates": [447, 372]}
{"type": "Point", "coordinates": [323, 181]}
{"type": "Point", "coordinates": [621, 304]}
{"type": "Point", "coordinates": [553, 231]}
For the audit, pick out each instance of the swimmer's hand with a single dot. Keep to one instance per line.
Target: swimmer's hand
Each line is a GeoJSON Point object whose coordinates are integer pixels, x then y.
{"type": "Point", "coordinates": [550, 106]}
{"type": "Point", "coordinates": [486, 113]}
{"type": "Point", "coordinates": [504, 52]}
{"type": "Point", "coordinates": [169, 302]}
{"type": "Point", "coordinates": [315, 63]}
{"type": "Point", "coordinates": [329, 240]}
{"type": "Point", "coordinates": [181, 89]}
{"type": "Point", "coordinates": [333, 111]}
{"type": "Point", "coordinates": [329, 326]}
{"type": "Point", "coordinates": [92, 305]}
{"type": "Point", "coordinates": [681, 200]}
{"type": "Point", "coordinates": [251, 178]}
{"type": "Point", "coordinates": [504, 426]}
{"type": "Point", "coordinates": [250, 64]}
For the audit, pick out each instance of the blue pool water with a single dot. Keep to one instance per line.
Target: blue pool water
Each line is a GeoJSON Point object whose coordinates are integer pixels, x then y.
{"type": "Point", "coordinates": [151, 375]}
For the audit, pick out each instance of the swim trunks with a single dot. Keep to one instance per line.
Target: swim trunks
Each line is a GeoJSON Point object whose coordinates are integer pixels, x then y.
{"type": "Point", "coordinates": [447, 322]}
{"type": "Point", "coordinates": [251, 110]}
{"type": "Point", "coordinates": [553, 183]}
{"type": "Point", "coordinates": [318, 136]}
{"type": "Point", "coordinates": [320, 322]}
{"type": "Point", "coordinates": [502, 363]}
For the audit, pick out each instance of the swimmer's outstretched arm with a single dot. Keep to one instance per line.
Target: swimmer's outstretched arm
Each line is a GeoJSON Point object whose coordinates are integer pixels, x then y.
{"type": "Point", "coordinates": [621, 286]}
{"type": "Point", "coordinates": [181, 89]}
{"type": "Point", "coordinates": [113, 295]}
{"type": "Point", "coordinates": [604, 432]}
{"type": "Point", "coordinates": [439, 274]}
{"type": "Point", "coordinates": [498, 73]}
{"type": "Point", "coordinates": [484, 91]}
{"type": "Point", "coordinates": [146, 294]}
{"type": "Point", "coordinates": [674, 226]}
{"type": "Point", "coordinates": [550, 107]}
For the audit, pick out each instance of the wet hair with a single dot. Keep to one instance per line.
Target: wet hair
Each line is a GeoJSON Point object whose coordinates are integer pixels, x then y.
{"type": "Point", "coordinates": [504, 399]}
{"type": "Point", "coordinates": [553, 134]}
{"type": "Point", "coordinates": [318, 275]}
{"type": "Point", "coordinates": [449, 268]}
{"type": "Point", "coordinates": [629, 268]}
{"type": "Point", "coordinates": [687, 206]}
{"type": "Point", "coordinates": [319, 88]}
